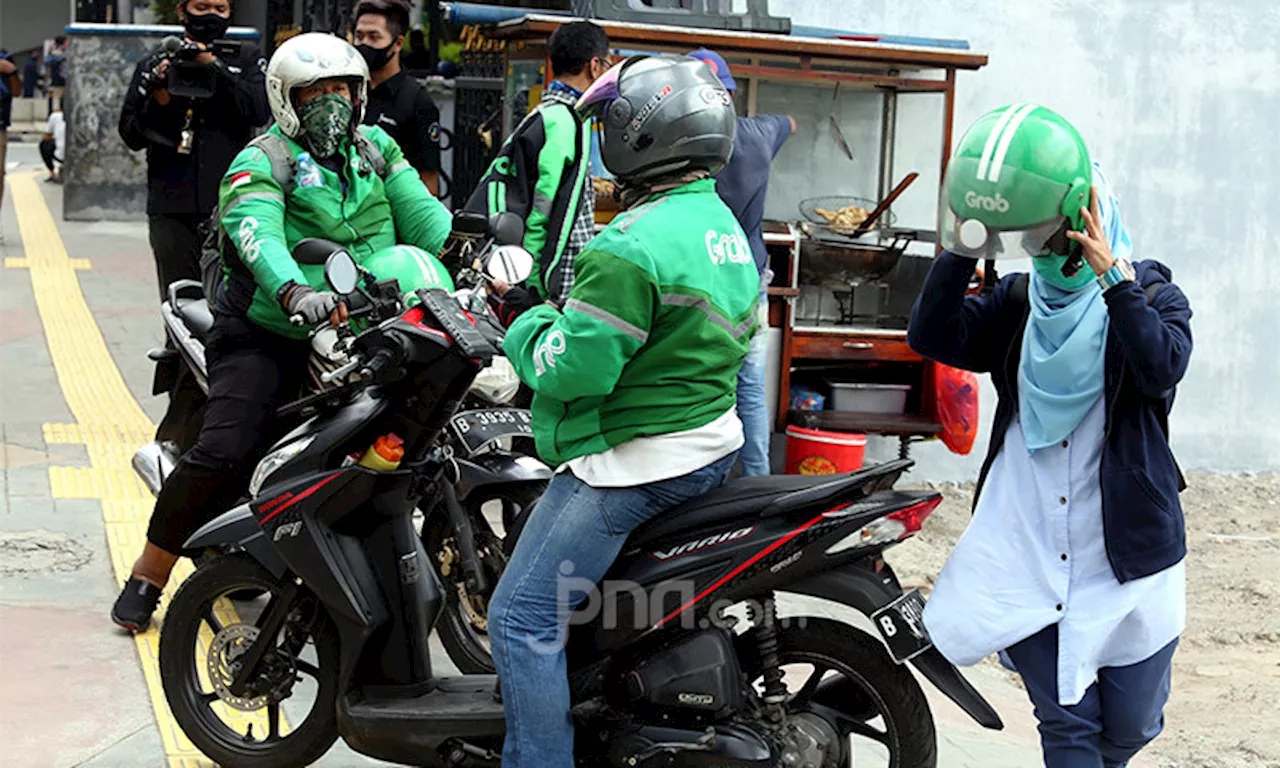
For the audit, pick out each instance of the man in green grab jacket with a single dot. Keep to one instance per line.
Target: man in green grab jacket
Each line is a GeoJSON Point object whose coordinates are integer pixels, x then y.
{"type": "Point", "coordinates": [634, 379]}
{"type": "Point", "coordinates": [541, 172]}
{"type": "Point", "coordinates": [315, 173]}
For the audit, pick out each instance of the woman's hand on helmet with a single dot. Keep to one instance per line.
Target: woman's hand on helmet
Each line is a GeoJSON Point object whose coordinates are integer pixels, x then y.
{"type": "Point", "coordinates": [1093, 241]}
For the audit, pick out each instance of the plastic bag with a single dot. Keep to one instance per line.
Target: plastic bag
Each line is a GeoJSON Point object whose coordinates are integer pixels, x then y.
{"type": "Point", "coordinates": [956, 393]}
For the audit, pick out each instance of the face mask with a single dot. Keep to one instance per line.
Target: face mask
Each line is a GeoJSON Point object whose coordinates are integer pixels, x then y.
{"type": "Point", "coordinates": [206, 27]}
{"type": "Point", "coordinates": [327, 122]}
{"type": "Point", "coordinates": [376, 58]}
{"type": "Point", "coordinates": [1050, 268]}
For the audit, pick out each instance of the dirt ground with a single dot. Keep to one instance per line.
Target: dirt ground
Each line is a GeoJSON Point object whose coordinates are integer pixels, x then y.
{"type": "Point", "coordinates": [1226, 677]}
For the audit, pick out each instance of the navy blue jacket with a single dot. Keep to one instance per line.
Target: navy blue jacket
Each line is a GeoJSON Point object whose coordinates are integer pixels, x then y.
{"type": "Point", "coordinates": [1148, 346]}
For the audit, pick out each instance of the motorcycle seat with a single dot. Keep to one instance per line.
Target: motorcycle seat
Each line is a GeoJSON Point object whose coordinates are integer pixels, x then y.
{"type": "Point", "coordinates": [754, 497]}
{"type": "Point", "coordinates": [197, 316]}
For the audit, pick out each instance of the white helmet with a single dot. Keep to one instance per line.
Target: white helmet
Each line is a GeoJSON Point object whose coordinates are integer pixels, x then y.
{"type": "Point", "coordinates": [306, 59]}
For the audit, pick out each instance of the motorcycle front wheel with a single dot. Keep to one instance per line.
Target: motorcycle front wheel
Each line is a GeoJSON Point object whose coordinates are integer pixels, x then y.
{"type": "Point", "coordinates": [463, 625]}
{"type": "Point", "coordinates": [288, 715]}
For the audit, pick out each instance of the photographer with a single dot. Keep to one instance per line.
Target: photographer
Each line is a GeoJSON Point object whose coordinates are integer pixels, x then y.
{"type": "Point", "coordinates": [190, 142]}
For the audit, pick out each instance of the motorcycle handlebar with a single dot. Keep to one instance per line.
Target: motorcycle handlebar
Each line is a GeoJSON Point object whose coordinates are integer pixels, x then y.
{"type": "Point", "coordinates": [377, 364]}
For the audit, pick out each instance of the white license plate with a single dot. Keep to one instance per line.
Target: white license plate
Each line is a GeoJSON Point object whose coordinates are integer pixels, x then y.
{"type": "Point", "coordinates": [901, 624]}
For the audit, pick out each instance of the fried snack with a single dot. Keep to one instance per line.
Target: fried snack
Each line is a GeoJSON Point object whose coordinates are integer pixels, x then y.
{"type": "Point", "coordinates": [848, 218]}
{"type": "Point", "coordinates": [602, 187]}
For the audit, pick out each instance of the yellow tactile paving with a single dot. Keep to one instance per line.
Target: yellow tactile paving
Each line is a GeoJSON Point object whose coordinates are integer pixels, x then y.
{"type": "Point", "coordinates": [20, 263]}
{"type": "Point", "coordinates": [109, 423]}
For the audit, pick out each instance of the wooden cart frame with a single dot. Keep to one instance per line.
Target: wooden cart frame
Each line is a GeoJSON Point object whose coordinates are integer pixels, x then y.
{"type": "Point", "coordinates": [856, 64]}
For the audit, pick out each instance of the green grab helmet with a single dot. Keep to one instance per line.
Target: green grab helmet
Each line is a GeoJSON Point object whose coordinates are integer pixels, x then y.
{"type": "Point", "coordinates": [411, 266]}
{"type": "Point", "coordinates": [1014, 187]}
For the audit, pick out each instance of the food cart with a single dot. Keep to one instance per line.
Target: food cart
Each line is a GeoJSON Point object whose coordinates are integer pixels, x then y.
{"type": "Point", "coordinates": [870, 115]}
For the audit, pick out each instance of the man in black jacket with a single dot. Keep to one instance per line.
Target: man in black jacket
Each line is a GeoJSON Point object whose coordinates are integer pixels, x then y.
{"type": "Point", "coordinates": [189, 144]}
{"type": "Point", "coordinates": [398, 103]}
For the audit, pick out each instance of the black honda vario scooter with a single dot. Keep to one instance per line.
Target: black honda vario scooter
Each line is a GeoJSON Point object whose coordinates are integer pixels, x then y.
{"type": "Point", "coordinates": [685, 660]}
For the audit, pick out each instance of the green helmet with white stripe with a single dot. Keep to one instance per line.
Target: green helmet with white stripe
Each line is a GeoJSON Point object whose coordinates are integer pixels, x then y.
{"type": "Point", "coordinates": [412, 267]}
{"type": "Point", "coordinates": [1013, 189]}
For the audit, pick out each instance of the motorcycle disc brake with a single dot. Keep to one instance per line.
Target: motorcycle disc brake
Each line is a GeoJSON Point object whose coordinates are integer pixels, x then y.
{"type": "Point", "coordinates": [225, 652]}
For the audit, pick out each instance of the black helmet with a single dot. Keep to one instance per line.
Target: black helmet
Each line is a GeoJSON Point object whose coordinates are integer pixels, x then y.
{"type": "Point", "coordinates": [662, 115]}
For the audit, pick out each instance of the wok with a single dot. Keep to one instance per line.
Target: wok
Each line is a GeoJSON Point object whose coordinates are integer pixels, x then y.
{"type": "Point", "coordinates": [830, 259]}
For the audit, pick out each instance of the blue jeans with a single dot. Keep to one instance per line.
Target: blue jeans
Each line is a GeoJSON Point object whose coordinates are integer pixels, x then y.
{"type": "Point", "coordinates": [572, 537]}
{"type": "Point", "coordinates": [753, 408]}
{"type": "Point", "coordinates": [1118, 716]}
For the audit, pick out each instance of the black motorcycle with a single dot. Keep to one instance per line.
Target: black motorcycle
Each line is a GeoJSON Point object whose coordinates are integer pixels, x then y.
{"type": "Point", "coordinates": [666, 674]}
{"type": "Point", "coordinates": [494, 485]}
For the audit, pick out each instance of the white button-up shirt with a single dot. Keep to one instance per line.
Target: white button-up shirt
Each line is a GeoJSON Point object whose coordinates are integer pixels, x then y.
{"type": "Point", "coordinates": [1034, 555]}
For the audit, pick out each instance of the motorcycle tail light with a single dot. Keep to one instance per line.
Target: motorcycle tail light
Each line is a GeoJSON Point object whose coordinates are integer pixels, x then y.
{"type": "Point", "coordinates": [891, 528]}
{"type": "Point", "coordinates": [913, 517]}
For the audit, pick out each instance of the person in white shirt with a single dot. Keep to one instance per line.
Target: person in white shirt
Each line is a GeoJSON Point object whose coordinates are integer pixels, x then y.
{"type": "Point", "coordinates": [53, 146]}
{"type": "Point", "coordinates": [1072, 567]}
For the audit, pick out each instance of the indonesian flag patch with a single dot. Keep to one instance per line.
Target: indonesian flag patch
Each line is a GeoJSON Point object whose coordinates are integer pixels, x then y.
{"type": "Point", "coordinates": [240, 179]}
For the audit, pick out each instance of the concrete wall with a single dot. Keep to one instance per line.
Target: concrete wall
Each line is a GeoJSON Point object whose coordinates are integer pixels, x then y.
{"type": "Point", "coordinates": [103, 178]}
{"type": "Point", "coordinates": [1179, 99]}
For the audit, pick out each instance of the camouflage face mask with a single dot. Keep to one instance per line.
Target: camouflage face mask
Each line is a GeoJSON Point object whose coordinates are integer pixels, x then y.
{"type": "Point", "coordinates": [327, 122]}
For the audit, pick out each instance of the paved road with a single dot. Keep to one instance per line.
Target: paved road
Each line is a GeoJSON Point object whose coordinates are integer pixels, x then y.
{"type": "Point", "coordinates": [78, 312]}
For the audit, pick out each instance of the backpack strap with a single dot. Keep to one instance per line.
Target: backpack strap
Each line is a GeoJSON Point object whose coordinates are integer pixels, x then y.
{"type": "Point", "coordinates": [369, 152]}
{"type": "Point", "coordinates": [283, 163]}
{"type": "Point", "coordinates": [1021, 283]}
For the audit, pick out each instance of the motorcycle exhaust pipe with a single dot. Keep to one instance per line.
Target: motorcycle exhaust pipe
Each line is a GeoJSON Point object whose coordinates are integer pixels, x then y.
{"type": "Point", "coordinates": [153, 463]}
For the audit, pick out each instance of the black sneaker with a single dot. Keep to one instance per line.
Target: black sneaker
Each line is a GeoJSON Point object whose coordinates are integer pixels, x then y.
{"type": "Point", "coordinates": [136, 603]}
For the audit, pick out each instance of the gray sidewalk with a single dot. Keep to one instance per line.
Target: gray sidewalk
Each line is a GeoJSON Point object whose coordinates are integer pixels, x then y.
{"type": "Point", "coordinates": [84, 699]}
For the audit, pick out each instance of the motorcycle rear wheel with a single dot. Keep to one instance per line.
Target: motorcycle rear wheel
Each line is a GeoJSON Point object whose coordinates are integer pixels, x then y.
{"type": "Point", "coordinates": [843, 676]}
{"type": "Point", "coordinates": [201, 613]}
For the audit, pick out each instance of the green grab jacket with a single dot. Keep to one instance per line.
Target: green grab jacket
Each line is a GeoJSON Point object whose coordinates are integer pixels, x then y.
{"type": "Point", "coordinates": [360, 210]}
{"type": "Point", "coordinates": [540, 174]}
{"type": "Point", "coordinates": [654, 331]}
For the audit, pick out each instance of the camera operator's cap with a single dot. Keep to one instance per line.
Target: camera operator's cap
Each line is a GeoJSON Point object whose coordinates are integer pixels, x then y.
{"type": "Point", "coordinates": [718, 65]}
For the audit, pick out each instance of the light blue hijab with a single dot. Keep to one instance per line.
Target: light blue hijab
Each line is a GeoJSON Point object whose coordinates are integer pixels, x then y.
{"type": "Point", "coordinates": [1061, 373]}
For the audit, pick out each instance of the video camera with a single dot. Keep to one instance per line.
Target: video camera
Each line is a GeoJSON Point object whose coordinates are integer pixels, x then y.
{"type": "Point", "coordinates": [187, 77]}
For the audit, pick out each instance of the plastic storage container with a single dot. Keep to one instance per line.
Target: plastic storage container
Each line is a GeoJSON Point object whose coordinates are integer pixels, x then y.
{"type": "Point", "coordinates": [819, 452]}
{"type": "Point", "coordinates": [864, 397]}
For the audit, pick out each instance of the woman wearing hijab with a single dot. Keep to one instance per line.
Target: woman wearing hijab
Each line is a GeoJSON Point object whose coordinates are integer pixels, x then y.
{"type": "Point", "coordinates": [1072, 567]}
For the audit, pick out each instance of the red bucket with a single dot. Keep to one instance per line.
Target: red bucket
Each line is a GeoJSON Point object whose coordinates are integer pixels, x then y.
{"type": "Point", "coordinates": [818, 452]}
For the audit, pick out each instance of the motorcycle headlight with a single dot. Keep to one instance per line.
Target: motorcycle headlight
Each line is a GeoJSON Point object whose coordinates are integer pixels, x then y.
{"type": "Point", "coordinates": [275, 460]}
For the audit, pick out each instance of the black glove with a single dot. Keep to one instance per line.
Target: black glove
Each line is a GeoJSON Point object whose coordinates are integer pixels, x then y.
{"type": "Point", "coordinates": [513, 303]}
{"type": "Point", "coordinates": [313, 306]}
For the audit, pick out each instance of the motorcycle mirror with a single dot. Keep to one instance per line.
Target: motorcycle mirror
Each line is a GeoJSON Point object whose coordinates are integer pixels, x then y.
{"type": "Point", "coordinates": [315, 251]}
{"type": "Point", "coordinates": [506, 228]}
{"type": "Point", "coordinates": [509, 263]}
{"type": "Point", "coordinates": [470, 223]}
{"type": "Point", "coordinates": [341, 272]}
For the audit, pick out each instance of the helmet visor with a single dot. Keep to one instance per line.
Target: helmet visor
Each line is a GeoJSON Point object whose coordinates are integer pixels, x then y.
{"type": "Point", "coordinates": [1001, 213]}
{"type": "Point", "coordinates": [974, 239]}
{"type": "Point", "coordinates": [604, 90]}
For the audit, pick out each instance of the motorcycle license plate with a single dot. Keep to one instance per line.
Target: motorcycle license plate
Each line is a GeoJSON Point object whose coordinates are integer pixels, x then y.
{"type": "Point", "coordinates": [901, 624]}
{"type": "Point", "coordinates": [476, 429]}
